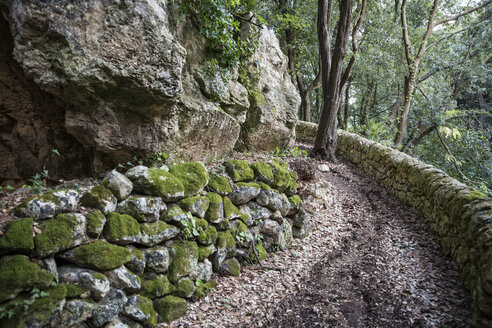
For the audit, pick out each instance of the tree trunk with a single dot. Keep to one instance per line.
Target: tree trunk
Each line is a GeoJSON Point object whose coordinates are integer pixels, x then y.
{"type": "Point", "coordinates": [326, 138]}
{"type": "Point", "coordinates": [347, 109]}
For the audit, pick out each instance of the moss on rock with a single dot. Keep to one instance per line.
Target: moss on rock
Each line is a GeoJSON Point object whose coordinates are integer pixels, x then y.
{"type": "Point", "coordinates": [184, 255]}
{"type": "Point", "coordinates": [239, 170]}
{"type": "Point", "coordinates": [184, 288]}
{"type": "Point", "coordinates": [174, 214]}
{"type": "Point", "coordinates": [100, 198]}
{"type": "Point", "coordinates": [60, 233]}
{"type": "Point", "coordinates": [95, 223]}
{"type": "Point", "coordinates": [146, 306]}
{"type": "Point", "coordinates": [164, 184]}
{"type": "Point", "coordinates": [215, 212]}
{"type": "Point", "coordinates": [154, 286]}
{"type": "Point", "coordinates": [219, 184]}
{"type": "Point", "coordinates": [474, 194]}
{"type": "Point", "coordinates": [40, 312]}
{"type": "Point", "coordinates": [193, 176]}
{"type": "Point", "coordinates": [282, 176]}
{"type": "Point", "coordinates": [225, 240]}
{"type": "Point", "coordinates": [171, 307]}
{"type": "Point", "coordinates": [204, 252]}
{"type": "Point", "coordinates": [208, 237]}
{"type": "Point", "coordinates": [263, 185]}
{"type": "Point", "coordinates": [196, 205]}
{"type": "Point", "coordinates": [17, 237]}
{"type": "Point", "coordinates": [260, 251]}
{"type": "Point", "coordinates": [99, 255]}
{"type": "Point", "coordinates": [121, 228]}
{"type": "Point", "coordinates": [263, 172]}
{"type": "Point", "coordinates": [74, 291]}
{"type": "Point", "coordinates": [231, 212]}
{"type": "Point", "coordinates": [18, 273]}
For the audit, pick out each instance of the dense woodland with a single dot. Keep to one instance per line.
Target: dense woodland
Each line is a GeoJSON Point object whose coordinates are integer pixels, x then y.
{"type": "Point", "coordinates": [414, 75]}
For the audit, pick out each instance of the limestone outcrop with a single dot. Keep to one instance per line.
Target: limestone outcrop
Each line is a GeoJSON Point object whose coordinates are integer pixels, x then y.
{"type": "Point", "coordinates": [125, 78]}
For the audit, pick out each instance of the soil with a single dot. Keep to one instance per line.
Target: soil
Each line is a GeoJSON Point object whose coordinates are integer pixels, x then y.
{"type": "Point", "coordinates": [370, 262]}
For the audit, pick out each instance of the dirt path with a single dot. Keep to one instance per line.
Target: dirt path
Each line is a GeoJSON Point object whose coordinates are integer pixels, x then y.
{"type": "Point", "coordinates": [371, 262]}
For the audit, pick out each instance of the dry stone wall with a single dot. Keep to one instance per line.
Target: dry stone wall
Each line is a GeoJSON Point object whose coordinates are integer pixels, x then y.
{"type": "Point", "coordinates": [461, 216]}
{"type": "Point", "coordinates": [132, 251]}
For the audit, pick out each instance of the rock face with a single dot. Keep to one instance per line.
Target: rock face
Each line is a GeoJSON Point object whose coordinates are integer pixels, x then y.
{"type": "Point", "coordinates": [126, 80]}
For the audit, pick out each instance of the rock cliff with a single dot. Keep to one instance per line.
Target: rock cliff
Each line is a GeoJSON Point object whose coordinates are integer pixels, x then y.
{"type": "Point", "coordinates": [102, 81]}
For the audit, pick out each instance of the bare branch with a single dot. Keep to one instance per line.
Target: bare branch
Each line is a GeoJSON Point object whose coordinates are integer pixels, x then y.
{"type": "Point", "coordinates": [406, 39]}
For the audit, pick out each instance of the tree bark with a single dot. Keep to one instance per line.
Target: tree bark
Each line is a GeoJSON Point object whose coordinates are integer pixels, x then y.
{"type": "Point", "coordinates": [326, 138]}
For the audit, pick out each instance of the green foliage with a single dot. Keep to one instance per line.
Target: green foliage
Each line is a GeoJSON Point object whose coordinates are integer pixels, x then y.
{"type": "Point", "coordinates": [293, 152]}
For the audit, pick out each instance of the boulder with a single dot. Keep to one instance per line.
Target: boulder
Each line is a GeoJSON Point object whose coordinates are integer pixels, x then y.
{"type": "Point", "coordinates": [120, 185]}
{"type": "Point", "coordinates": [49, 204]}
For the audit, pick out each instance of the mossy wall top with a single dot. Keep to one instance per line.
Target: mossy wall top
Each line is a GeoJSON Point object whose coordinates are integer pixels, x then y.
{"type": "Point", "coordinates": [461, 216]}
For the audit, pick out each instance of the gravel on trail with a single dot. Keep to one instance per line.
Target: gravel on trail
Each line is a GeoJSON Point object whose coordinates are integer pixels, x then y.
{"type": "Point", "coordinates": [370, 262]}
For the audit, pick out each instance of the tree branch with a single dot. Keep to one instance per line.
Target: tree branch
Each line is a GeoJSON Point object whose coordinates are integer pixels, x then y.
{"type": "Point", "coordinates": [455, 161]}
{"type": "Point", "coordinates": [406, 39]}
{"type": "Point", "coordinates": [445, 20]}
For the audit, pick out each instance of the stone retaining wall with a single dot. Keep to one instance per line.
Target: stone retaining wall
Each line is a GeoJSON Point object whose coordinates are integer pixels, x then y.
{"type": "Point", "coordinates": [132, 251]}
{"type": "Point", "coordinates": [461, 216]}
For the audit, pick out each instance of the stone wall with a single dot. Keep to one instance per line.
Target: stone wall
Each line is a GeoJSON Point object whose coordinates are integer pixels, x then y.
{"type": "Point", "coordinates": [461, 216]}
{"type": "Point", "coordinates": [132, 251]}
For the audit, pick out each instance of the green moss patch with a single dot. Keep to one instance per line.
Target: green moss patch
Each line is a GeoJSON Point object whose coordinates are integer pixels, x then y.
{"type": "Point", "coordinates": [225, 240]}
{"type": "Point", "coordinates": [100, 255]}
{"type": "Point", "coordinates": [95, 223]}
{"type": "Point", "coordinates": [219, 184]}
{"type": "Point", "coordinates": [60, 233]}
{"type": "Point", "coordinates": [196, 205]}
{"type": "Point", "coordinates": [146, 306]}
{"type": "Point", "coordinates": [184, 288]}
{"type": "Point", "coordinates": [260, 251]}
{"type": "Point", "coordinates": [171, 308]}
{"type": "Point", "coordinates": [184, 257]}
{"type": "Point", "coordinates": [164, 185]}
{"type": "Point", "coordinates": [174, 214]}
{"type": "Point", "coordinates": [74, 291]}
{"type": "Point", "coordinates": [239, 170]}
{"type": "Point", "coordinates": [263, 172]}
{"type": "Point", "coordinates": [208, 236]}
{"type": "Point", "coordinates": [17, 237]}
{"type": "Point", "coordinates": [98, 197]}
{"type": "Point", "coordinates": [154, 286]}
{"type": "Point", "coordinates": [215, 212]}
{"type": "Point", "coordinates": [18, 273]}
{"type": "Point", "coordinates": [231, 212]}
{"type": "Point", "coordinates": [203, 288]}
{"type": "Point", "coordinates": [193, 176]}
{"type": "Point", "coordinates": [121, 228]}
{"type": "Point", "coordinates": [282, 176]}
{"type": "Point", "coordinates": [204, 252]}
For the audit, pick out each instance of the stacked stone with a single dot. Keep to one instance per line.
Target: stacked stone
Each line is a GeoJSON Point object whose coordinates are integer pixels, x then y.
{"type": "Point", "coordinates": [143, 243]}
{"type": "Point", "coordinates": [461, 216]}
{"type": "Point", "coordinates": [306, 131]}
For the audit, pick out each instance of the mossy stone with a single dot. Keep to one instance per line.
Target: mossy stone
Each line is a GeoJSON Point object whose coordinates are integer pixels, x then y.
{"type": "Point", "coordinates": [60, 233]}
{"type": "Point", "coordinates": [239, 170]}
{"type": "Point", "coordinates": [74, 291]}
{"type": "Point", "coordinates": [231, 212]}
{"type": "Point", "coordinates": [219, 184]}
{"type": "Point", "coordinates": [184, 288]}
{"type": "Point", "coordinates": [147, 307]}
{"type": "Point", "coordinates": [215, 212]}
{"type": "Point", "coordinates": [210, 236]}
{"type": "Point", "coordinates": [204, 252]}
{"type": "Point", "coordinates": [225, 240]}
{"type": "Point", "coordinates": [295, 200]}
{"type": "Point", "coordinates": [231, 267]}
{"type": "Point", "coordinates": [260, 250]}
{"type": "Point", "coordinates": [100, 198]}
{"type": "Point", "coordinates": [291, 187]}
{"type": "Point", "coordinates": [263, 172]}
{"type": "Point", "coordinates": [193, 176]}
{"type": "Point", "coordinates": [223, 225]}
{"type": "Point", "coordinates": [171, 308]}
{"type": "Point", "coordinates": [18, 273]}
{"type": "Point", "coordinates": [281, 176]}
{"type": "Point", "coordinates": [100, 255]}
{"type": "Point", "coordinates": [240, 230]}
{"type": "Point", "coordinates": [137, 262]}
{"type": "Point", "coordinates": [121, 228]}
{"type": "Point", "coordinates": [263, 185]}
{"type": "Point", "coordinates": [474, 194]}
{"type": "Point", "coordinates": [174, 214]}
{"type": "Point", "coordinates": [196, 205]}
{"type": "Point", "coordinates": [184, 255]}
{"type": "Point", "coordinates": [155, 285]}
{"type": "Point", "coordinates": [17, 237]}
{"type": "Point", "coordinates": [164, 185]}
{"type": "Point", "coordinates": [95, 223]}
{"type": "Point", "coordinates": [156, 232]}
{"type": "Point", "coordinates": [40, 312]}
{"type": "Point", "coordinates": [202, 289]}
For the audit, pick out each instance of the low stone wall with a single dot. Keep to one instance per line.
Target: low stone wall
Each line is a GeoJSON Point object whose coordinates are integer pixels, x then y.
{"type": "Point", "coordinates": [132, 251]}
{"type": "Point", "coordinates": [461, 216]}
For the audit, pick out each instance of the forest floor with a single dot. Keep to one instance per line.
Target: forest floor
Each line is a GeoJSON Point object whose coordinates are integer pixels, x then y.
{"type": "Point", "coordinates": [369, 262]}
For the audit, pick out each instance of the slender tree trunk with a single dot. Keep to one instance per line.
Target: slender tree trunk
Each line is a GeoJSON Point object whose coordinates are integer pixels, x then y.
{"type": "Point", "coordinates": [326, 138]}
{"type": "Point", "coordinates": [346, 111]}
